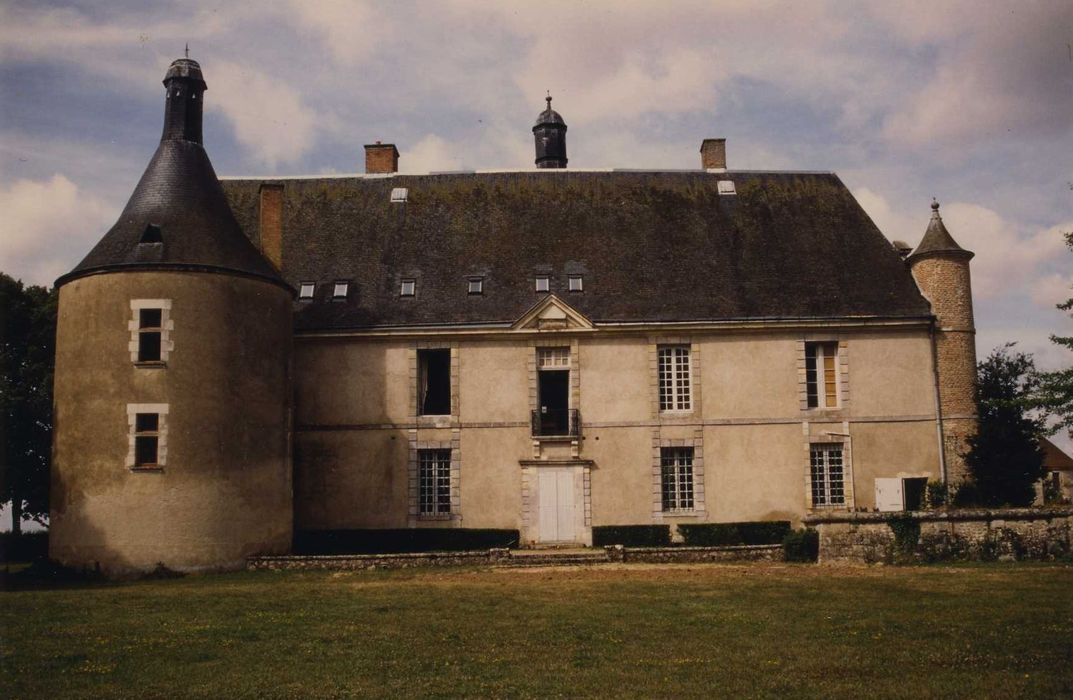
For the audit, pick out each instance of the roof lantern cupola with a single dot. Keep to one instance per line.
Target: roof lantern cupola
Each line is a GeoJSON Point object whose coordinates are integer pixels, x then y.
{"type": "Point", "coordinates": [549, 133]}
{"type": "Point", "coordinates": [185, 88]}
{"type": "Point", "coordinates": [937, 240]}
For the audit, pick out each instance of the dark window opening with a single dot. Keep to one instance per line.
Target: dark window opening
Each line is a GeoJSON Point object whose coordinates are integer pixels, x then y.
{"type": "Point", "coordinates": [434, 382]}
{"type": "Point", "coordinates": [150, 327]}
{"type": "Point", "coordinates": [152, 234]}
{"type": "Point", "coordinates": [554, 390]}
{"type": "Point", "coordinates": [913, 493]}
{"type": "Point", "coordinates": [146, 439]}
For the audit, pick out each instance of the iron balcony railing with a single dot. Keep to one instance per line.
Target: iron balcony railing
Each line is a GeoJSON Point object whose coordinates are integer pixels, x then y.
{"type": "Point", "coordinates": [556, 422]}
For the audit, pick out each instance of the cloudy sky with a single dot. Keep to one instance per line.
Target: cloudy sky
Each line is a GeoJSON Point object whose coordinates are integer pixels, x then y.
{"type": "Point", "coordinates": [970, 102]}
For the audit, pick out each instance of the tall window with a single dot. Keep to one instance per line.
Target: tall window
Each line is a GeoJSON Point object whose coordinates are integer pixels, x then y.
{"type": "Point", "coordinates": [674, 378]}
{"type": "Point", "coordinates": [828, 475]}
{"type": "Point", "coordinates": [821, 374]}
{"type": "Point", "coordinates": [146, 439]}
{"type": "Point", "coordinates": [676, 478]}
{"type": "Point", "coordinates": [434, 482]}
{"type": "Point", "coordinates": [434, 382]}
{"type": "Point", "coordinates": [150, 328]}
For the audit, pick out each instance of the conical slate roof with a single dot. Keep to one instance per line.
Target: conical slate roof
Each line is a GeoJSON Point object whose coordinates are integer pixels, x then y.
{"type": "Point", "coordinates": [178, 216]}
{"type": "Point", "coordinates": [549, 116]}
{"type": "Point", "coordinates": [937, 239]}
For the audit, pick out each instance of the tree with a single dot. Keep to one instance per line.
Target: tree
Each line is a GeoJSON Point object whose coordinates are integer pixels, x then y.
{"type": "Point", "coordinates": [27, 352]}
{"type": "Point", "coordinates": [1004, 459]}
{"type": "Point", "coordinates": [1055, 395]}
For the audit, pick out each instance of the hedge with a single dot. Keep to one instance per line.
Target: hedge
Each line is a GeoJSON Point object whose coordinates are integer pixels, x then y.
{"type": "Point", "coordinates": [801, 545]}
{"type": "Point", "coordinates": [632, 535]}
{"type": "Point", "coordinates": [729, 534]}
{"type": "Point", "coordinates": [401, 541]}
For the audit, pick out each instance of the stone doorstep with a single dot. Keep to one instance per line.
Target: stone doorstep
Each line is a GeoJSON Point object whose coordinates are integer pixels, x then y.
{"type": "Point", "coordinates": [515, 558]}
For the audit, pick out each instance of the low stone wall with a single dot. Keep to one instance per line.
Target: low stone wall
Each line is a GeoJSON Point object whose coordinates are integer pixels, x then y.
{"type": "Point", "coordinates": [359, 562]}
{"type": "Point", "coordinates": [1009, 534]}
{"type": "Point", "coordinates": [684, 555]}
{"type": "Point", "coordinates": [504, 557]}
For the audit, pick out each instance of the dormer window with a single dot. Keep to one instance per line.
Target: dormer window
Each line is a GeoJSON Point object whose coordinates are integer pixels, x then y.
{"type": "Point", "coordinates": [340, 289]}
{"type": "Point", "coordinates": [151, 234]}
{"type": "Point", "coordinates": [476, 285]}
{"type": "Point", "coordinates": [408, 288]}
{"type": "Point", "coordinates": [306, 290]}
{"type": "Point", "coordinates": [543, 283]}
{"type": "Point", "coordinates": [574, 283]}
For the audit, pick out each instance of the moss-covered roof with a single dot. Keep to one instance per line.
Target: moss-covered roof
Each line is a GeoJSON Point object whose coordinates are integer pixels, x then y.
{"type": "Point", "coordinates": [651, 246]}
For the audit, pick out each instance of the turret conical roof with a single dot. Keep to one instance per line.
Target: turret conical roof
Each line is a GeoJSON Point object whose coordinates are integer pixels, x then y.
{"type": "Point", "coordinates": [937, 239]}
{"type": "Point", "coordinates": [178, 216]}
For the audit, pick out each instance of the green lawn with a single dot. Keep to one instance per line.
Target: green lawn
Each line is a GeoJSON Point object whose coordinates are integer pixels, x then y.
{"type": "Point", "coordinates": [626, 631]}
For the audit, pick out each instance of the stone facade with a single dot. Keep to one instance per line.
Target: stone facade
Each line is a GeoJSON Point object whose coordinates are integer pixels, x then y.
{"type": "Point", "coordinates": [1006, 535]}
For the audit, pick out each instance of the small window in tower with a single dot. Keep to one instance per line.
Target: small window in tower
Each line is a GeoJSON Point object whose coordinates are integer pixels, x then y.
{"type": "Point", "coordinates": [574, 283]}
{"type": "Point", "coordinates": [476, 285]}
{"type": "Point", "coordinates": [147, 436]}
{"type": "Point", "coordinates": [152, 234]}
{"type": "Point", "coordinates": [150, 327]}
{"type": "Point", "coordinates": [340, 289]}
{"type": "Point", "coordinates": [146, 439]}
{"type": "Point", "coordinates": [408, 288]}
{"type": "Point", "coordinates": [306, 290]}
{"type": "Point", "coordinates": [543, 283]}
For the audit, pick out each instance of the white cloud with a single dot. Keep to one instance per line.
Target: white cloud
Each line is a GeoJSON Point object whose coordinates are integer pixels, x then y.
{"type": "Point", "coordinates": [38, 215]}
{"type": "Point", "coordinates": [1052, 289]}
{"type": "Point", "coordinates": [429, 154]}
{"type": "Point", "coordinates": [270, 118]}
{"type": "Point", "coordinates": [350, 29]}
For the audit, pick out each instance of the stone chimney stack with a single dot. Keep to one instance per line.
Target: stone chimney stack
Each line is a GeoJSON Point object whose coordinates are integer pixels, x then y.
{"type": "Point", "coordinates": [941, 270]}
{"type": "Point", "coordinates": [381, 158]}
{"type": "Point", "coordinates": [713, 154]}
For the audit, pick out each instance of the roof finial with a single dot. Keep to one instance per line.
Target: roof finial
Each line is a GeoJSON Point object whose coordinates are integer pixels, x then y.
{"type": "Point", "coordinates": [188, 49]}
{"type": "Point", "coordinates": [934, 207]}
{"type": "Point", "coordinates": [548, 98]}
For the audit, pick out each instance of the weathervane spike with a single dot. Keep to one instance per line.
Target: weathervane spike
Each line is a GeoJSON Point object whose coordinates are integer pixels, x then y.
{"type": "Point", "coordinates": [188, 49]}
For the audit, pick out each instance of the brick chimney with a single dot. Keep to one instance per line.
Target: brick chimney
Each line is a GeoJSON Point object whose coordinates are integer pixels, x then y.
{"type": "Point", "coordinates": [381, 158]}
{"type": "Point", "coordinates": [713, 154]}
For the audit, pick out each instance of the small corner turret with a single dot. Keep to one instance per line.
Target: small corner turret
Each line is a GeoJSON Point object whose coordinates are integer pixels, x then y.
{"type": "Point", "coordinates": [941, 269]}
{"type": "Point", "coordinates": [549, 132]}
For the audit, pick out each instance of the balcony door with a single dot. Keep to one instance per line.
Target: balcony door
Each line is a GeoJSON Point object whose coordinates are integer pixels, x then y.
{"type": "Point", "coordinates": [554, 399]}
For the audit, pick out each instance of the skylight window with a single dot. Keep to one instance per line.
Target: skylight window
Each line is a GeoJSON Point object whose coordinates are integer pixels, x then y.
{"type": "Point", "coordinates": [399, 195]}
{"type": "Point", "coordinates": [476, 285]}
{"type": "Point", "coordinates": [407, 288]}
{"type": "Point", "coordinates": [726, 187]}
{"type": "Point", "coordinates": [339, 291]}
{"type": "Point", "coordinates": [543, 284]}
{"type": "Point", "coordinates": [574, 283]}
{"type": "Point", "coordinates": [306, 290]}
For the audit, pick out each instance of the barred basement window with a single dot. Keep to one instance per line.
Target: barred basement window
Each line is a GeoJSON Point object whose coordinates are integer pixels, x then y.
{"type": "Point", "coordinates": [434, 482]}
{"type": "Point", "coordinates": [828, 475]}
{"type": "Point", "coordinates": [821, 374]}
{"type": "Point", "coordinates": [674, 378]}
{"type": "Point", "coordinates": [676, 478]}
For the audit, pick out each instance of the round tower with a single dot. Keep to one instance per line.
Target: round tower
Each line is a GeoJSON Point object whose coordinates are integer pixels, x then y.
{"type": "Point", "coordinates": [172, 381]}
{"type": "Point", "coordinates": [549, 133]}
{"type": "Point", "coordinates": [941, 270]}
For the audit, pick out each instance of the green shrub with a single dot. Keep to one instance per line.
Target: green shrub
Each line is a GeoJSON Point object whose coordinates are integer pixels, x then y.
{"type": "Point", "coordinates": [401, 541]}
{"type": "Point", "coordinates": [731, 534]}
{"type": "Point", "coordinates": [936, 494]}
{"type": "Point", "coordinates": [966, 495]}
{"type": "Point", "coordinates": [632, 535]}
{"type": "Point", "coordinates": [906, 531]}
{"type": "Point", "coordinates": [801, 545]}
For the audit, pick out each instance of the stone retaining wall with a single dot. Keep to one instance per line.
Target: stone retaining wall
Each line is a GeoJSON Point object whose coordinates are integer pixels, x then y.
{"type": "Point", "coordinates": [1010, 534]}
{"type": "Point", "coordinates": [504, 557]}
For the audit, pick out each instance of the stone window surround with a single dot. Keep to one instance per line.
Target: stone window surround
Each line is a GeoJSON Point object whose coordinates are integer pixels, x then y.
{"type": "Point", "coordinates": [654, 344]}
{"type": "Point", "coordinates": [699, 507]}
{"type": "Point", "coordinates": [826, 438]}
{"type": "Point", "coordinates": [167, 325]}
{"type": "Point", "coordinates": [414, 475]}
{"type": "Point", "coordinates": [532, 366]}
{"type": "Point", "coordinates": [842, 372]}
{"type": "Point", "coordinates": [449, 421]}
{"type": "Point", "coordinates": [161, 409]}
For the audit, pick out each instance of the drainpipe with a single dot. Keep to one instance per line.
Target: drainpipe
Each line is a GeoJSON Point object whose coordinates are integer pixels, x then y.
{"type": "Point", "coordinates": [938, 402]}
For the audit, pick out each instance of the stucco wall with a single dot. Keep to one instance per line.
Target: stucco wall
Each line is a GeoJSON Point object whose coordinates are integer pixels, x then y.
{"type": "Point", "coordinates": [224, 492]}
{"type": "Point", "coordinates": [355, 421]}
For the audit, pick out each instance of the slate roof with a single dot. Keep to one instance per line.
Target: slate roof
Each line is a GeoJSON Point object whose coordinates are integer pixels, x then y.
{"type": "Point", "coordinates": [651, 246]}
{"type": "Point", "coordinates": [937, 239]}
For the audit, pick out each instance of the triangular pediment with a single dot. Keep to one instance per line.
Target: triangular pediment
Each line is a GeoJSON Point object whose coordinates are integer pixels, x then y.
{"type": "Point", "coordinates": [552, 314]}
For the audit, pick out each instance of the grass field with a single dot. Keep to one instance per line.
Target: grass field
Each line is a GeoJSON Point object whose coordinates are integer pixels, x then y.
{"type": "Point", "coordinates": [627, 631]}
